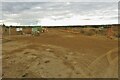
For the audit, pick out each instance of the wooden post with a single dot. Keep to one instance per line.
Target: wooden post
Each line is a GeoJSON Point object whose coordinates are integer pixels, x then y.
{"type": "Point", "coordinates": [9, 32]}
{"type": "Point", "coordinates": [110, 32]}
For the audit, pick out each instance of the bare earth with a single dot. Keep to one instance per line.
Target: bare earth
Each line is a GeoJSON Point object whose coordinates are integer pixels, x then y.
{"type": "Point", "coordinates": [58, 54]}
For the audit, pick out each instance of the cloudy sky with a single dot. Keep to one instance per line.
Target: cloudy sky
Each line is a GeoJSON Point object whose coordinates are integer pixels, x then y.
{"type": "Point", "coordinates": [59, 13]}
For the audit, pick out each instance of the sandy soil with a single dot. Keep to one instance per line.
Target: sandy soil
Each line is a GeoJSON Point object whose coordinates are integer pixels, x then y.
{"type": "Point", "coordinates": [59, 54]}
{"type": "Point", "coordinates": [0, 52]}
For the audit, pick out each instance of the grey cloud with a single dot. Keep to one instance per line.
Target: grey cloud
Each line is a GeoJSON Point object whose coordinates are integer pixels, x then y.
{"type": "Point", "coordinates": [16, 7]}
{"type": "Point", "coordinates": [28, 12]}
{"type": "Point", "coordinates": [60, 0]}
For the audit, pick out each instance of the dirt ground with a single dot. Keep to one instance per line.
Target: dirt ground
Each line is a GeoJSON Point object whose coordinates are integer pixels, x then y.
{"type": "Point", "coordinates": [0, 52]}
{"type": "Point", "coordinates": [59, 54]}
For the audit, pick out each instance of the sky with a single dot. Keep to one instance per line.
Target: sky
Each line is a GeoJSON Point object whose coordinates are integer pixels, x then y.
{"type": "Point", "coordinates": [59, 13]}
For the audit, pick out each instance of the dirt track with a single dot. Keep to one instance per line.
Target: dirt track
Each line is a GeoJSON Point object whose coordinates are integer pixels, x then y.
{"type": "Point", "coordinates": [59, 54]}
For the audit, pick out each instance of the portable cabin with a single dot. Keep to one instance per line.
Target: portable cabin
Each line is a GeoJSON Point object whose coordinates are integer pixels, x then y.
{"type": "Point", "coordinates": [36, 30]}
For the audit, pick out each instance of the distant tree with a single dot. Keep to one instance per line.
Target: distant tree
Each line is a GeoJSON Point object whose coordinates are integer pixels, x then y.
{"type": "Point", "coordinates": [3, 25]}
{"type": "Point", "coordinates": [10, 25]}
